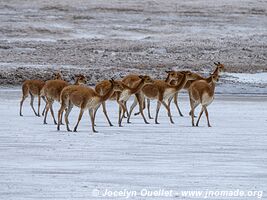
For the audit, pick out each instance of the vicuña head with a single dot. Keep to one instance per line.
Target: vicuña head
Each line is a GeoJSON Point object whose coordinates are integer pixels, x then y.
{"type": "Point", "coordinates": [146, 79]}
{"type": "Point", "coordinates": [80, 79]}
{"type": "Point", "coordinates": [58, 76]}
{"type": "Point", "coordinates": [189, 75]}
{"type": "Point", "coordinates": [116, 85]}
{"type": "Point", "coordinates": [172, 75]}
{"type": "Point", "coordinates": [220, 67]}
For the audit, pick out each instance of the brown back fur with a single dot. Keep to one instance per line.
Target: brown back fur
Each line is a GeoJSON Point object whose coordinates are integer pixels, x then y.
{"type": "Point", "coordinates": [32, 86]}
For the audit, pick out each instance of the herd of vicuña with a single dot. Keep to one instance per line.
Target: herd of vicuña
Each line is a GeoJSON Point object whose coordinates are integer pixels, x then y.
{"type": "Point", "coordinates": [143, 88]}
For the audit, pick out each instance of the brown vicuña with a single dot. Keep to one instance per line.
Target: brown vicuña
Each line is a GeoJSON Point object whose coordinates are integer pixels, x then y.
{"type": "Point", "coordinates": [172, 75]}
{"type": "Point", "coordinates": [219, 69]}
{"type": "Point", "coordinates": [137, 87]}
{"type": "Point", "coordinates": [121, 96]}
{"type": "Point", "coordinates": [33, 88]}
{"type": "Point", "coordinates": [202, 92]}
{"type": "Point", "coordinates": [161, 91]}
{"type": "Point", "coordinates": [132, 81]}
{"type": "Point", "coordinates": [102, 88]}
{"type": "Point", "coordinates": [84, 98]}
{"type": "Point", "coordinates": [52, 90]}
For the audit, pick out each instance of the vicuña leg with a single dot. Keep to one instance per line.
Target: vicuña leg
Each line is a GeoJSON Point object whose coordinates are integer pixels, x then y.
{"type": "Point", "coordinates": [175, 100]}
{"type": "Point", "coordinates": [207, 115]}
{"type": "Point", "coordinates": [32, 100]}
{"type": "Point", "coordinates": [79, 119]}
{"type": "Point", "coordinates": [39, 104]}
{"type": "Point", "coordinates": [200, 114]}
{"type": "Point", "coordinates": [105, 112]}
{"type": "Point", "coordinates": [157, 112]}
{"type": "Point", "coordinates": [131, 109]}
{"type": "Point", "coordinates": [168, 110]}
{"type": "Point", "coordinates": [67, 116]}
{"type": "Point", "coordinates": [44, 106]}
{"type": "Point", "coordinates": [192, 111]}
{"type": "Point", "coordinates": [91, 113]}
{"type": "Point", "coordinates": [21, 104]}
{"type": "Point", "coordinates": [148, 109]}
{"type": "Point", "coordinates": [141, 101]}
{"type": "Point", "coordinates": [52, 111]}
{"type": "Point", "coordinates": [96, 109]}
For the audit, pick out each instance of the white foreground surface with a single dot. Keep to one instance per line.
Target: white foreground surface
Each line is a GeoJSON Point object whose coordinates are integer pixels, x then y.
{"type": "Point", "coordinates": [38, 162]}
{"type": "Point", "coordinates": [248, 78]}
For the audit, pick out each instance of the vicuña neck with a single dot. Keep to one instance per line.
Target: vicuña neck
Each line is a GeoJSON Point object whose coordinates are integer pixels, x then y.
{"type": "Point", "coordinates": [107, 95]}
{"type": "Point", "coordinates": [76, 82]}
{"type": "Point", "coordinates": [126, 87]}
{"type": "Point", "coordinates": [181, 84]}
{"type": "Point", "coordinates": [216, 71]}
{"type": "Point", "coordinates": [168, 79]}
{"type": "Point", "coordinates": [209, 79]}
{"type": "Point", "coordinates": [212, 85]}
{"type": "Point", "coordinates": [138, 87]}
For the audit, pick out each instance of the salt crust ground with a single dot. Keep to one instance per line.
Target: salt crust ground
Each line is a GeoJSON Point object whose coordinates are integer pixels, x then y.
{"type": "Point", "coordinates": [38, 162]}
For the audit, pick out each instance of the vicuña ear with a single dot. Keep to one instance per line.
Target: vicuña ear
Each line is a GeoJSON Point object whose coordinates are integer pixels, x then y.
{"type": "Point", "coordinates": [168, 72]}
{"type": "Point", "coordinates": [112, 81]}
{"type": "Point", "coordinates": [215, 63]}
{"type": "Point", "coordinates": [219, 63]}
{"type": "Point", "coordinates": [141, 76]}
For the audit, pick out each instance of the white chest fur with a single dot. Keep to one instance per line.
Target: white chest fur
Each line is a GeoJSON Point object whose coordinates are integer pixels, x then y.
{"type": "Point", "coordinates": [92, 102]}
{"type": "Point", "coordinates": [125, 95]}
{"type": "Point", "coordinates": [168, 93]}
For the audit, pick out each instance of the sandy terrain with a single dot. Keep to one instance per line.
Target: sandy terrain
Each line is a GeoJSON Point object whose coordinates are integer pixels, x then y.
{"type": "Point", "coordinates": [112, 38]}
{"type": "Point", "coordinates": [38, 162]}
